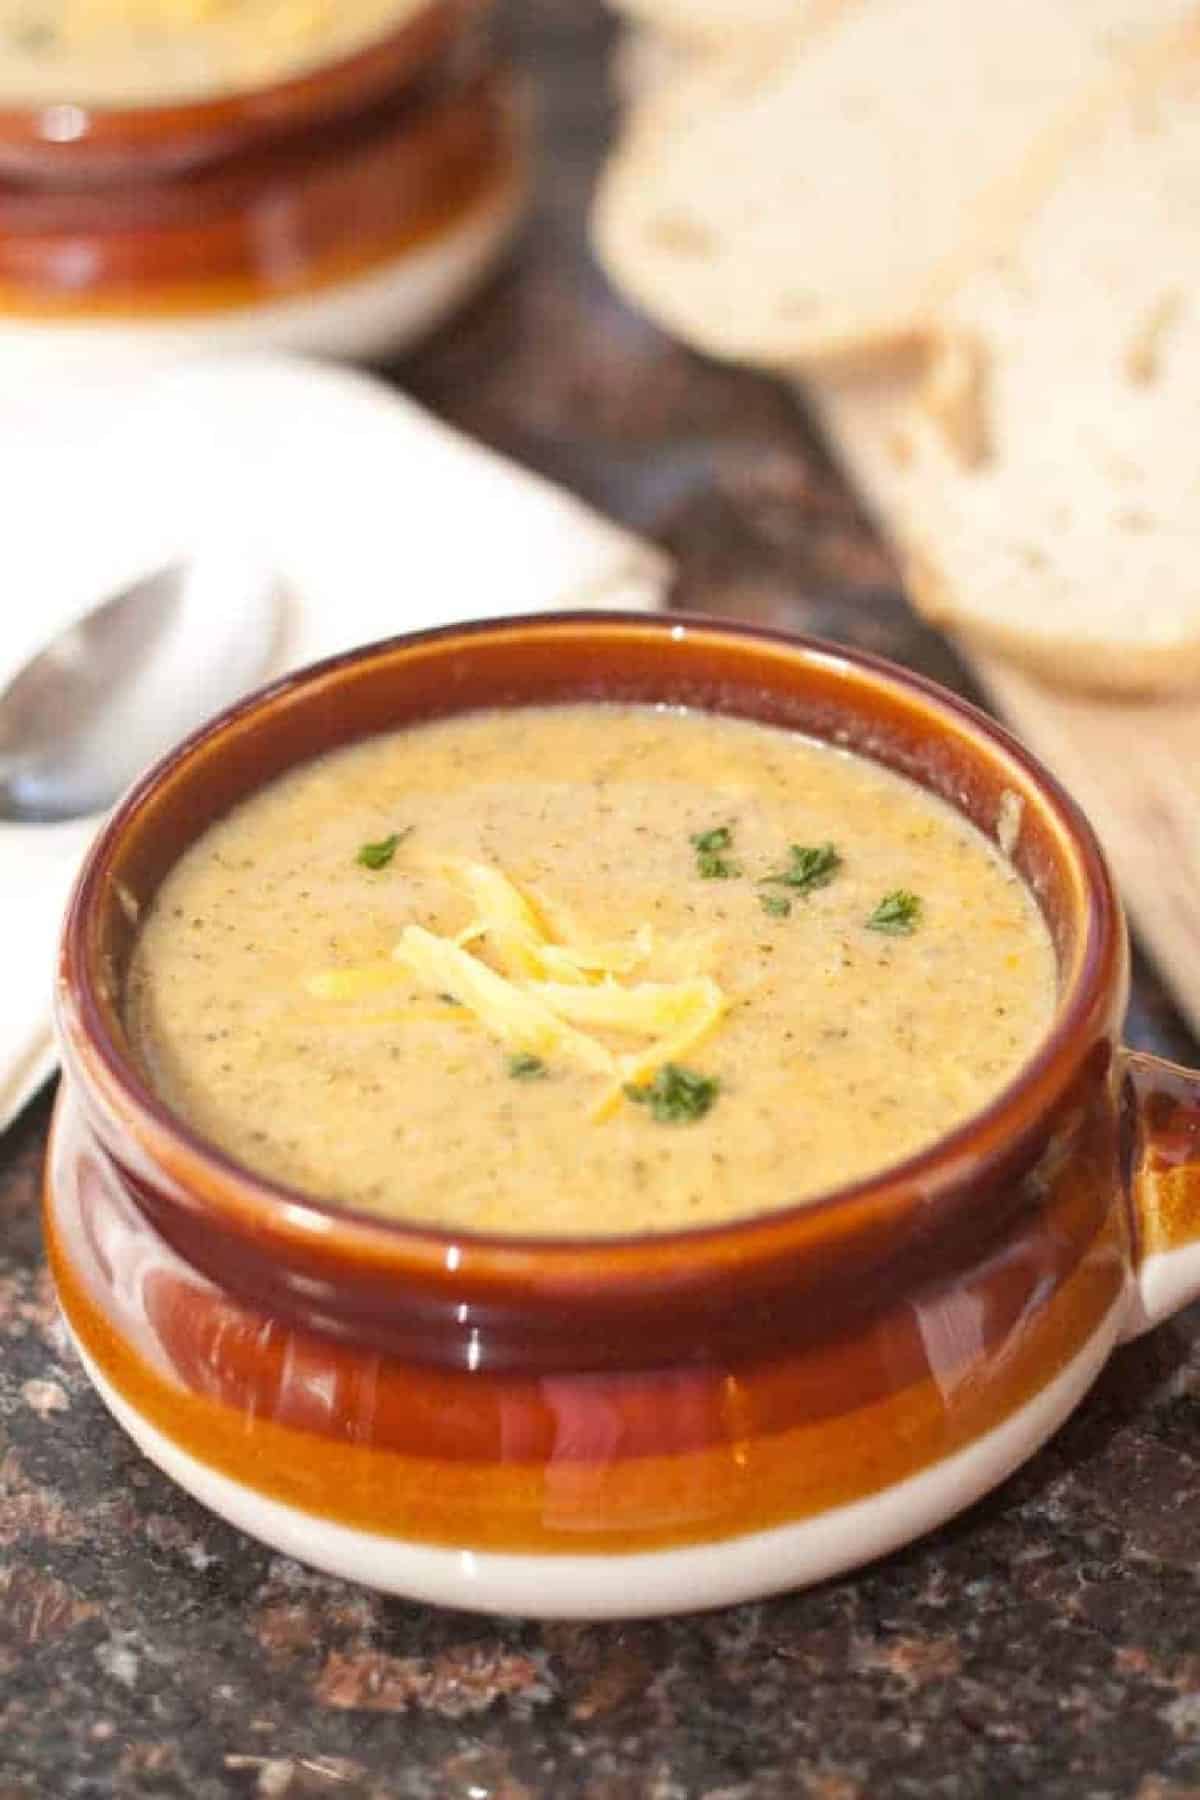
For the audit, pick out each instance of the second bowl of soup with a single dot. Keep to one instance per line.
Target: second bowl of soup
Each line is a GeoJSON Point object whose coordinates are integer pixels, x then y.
{"type": "Point", "coordinates": [328, 178]}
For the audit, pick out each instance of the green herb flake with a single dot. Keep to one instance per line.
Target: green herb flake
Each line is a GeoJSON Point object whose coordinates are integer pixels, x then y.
{"type": "Point", "coordinates": [898, 914]}
{"type": "Point", "coordinates": [524, 1067]}
{"type": "Point", "coordinates": [378, 856]}
{"type": "Point", "coordinates": [677, 1095]}
{"type": "Point", "coordinates": [776, 906]}
{"type": "Point", "coordinates": [811, 866]}
{"type": "Point", "coordinates": [710, 846]}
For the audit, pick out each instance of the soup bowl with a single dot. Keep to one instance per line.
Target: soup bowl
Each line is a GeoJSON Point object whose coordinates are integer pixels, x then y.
{"type": "Point", "coordinates": [618, 1426]}
{"type": "Point", "coordinates": [343, 210]}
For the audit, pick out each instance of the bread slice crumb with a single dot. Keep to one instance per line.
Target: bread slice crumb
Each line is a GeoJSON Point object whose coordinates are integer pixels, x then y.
{"type": "Point", "coordinates": [953, 395]}
{"type": "Point", "coordinates": [1143, 357]}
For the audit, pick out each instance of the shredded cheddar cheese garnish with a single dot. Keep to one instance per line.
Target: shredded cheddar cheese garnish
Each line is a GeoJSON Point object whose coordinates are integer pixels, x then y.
{"type": "Point", "coordinates": [649, 1007]}
{"type": "Point", "coordinates": [575, 962]}
{"type": "Point", "coordinates": [516, 1016]}
{"type": "Point", "coordinates": [708, 1004]}
{"type": "Point", "coordinates": [547, 1000]}
{"type": "Point", "coordinates": [513, 928]}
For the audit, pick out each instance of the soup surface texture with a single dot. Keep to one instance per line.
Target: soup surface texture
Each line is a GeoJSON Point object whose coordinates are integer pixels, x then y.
{"type": "Point", "coordinates": [585, 970]}
{"type": "Point", "coordinates": [135, 52]}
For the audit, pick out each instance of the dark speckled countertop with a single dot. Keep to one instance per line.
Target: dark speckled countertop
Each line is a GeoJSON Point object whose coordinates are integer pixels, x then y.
{"type": "Point", "coordinates": [1047, 1643]}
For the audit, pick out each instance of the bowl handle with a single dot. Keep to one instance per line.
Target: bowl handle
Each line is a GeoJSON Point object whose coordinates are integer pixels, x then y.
{"type": "Point", "coordinates": [1162, 1115]}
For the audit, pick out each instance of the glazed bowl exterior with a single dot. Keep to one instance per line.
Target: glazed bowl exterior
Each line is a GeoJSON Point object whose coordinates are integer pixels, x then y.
{"type": "Point", "coordinates": [342, 211]}
{"type": "Point", "coordinates": [617, 1426]}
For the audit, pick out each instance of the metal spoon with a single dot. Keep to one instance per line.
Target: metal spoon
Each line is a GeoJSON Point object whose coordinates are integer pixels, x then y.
{"type": "Point", "coordinates": [81, 721]}
{"type": "Point", "coordinates": [107, 696]}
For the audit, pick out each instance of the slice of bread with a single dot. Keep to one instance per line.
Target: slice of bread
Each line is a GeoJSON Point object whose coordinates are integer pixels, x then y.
{"type": "Point", "coordinates": [810, 200]}
{"type": "Point", "coordinates": [1042, 483]}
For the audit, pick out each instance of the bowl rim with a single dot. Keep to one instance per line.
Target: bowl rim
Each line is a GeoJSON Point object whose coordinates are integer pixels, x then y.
{"type": "Point", "coordinates": [272, 1213]}
{"type": "Point", "coordinates": [173, 134]}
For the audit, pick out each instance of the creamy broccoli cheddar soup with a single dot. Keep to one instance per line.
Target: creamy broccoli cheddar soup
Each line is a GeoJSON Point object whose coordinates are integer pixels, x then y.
{"type": "Point", "coordinates": [586, 969]}
{"type": "Point", "coordinates": [132, 52]}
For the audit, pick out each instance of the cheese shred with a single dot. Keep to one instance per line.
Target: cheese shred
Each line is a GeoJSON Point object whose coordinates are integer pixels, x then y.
{"type": "Point", "coordinates": [546, 999]}
{"type": "Point", "coordinates": [516, 1016]}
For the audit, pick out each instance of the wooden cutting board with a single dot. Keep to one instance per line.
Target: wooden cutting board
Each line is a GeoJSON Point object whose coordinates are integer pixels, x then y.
{"type": "Point", "coordinates": [1135, 770]}
{"type": "Point", "coordinates": [1133, 767]}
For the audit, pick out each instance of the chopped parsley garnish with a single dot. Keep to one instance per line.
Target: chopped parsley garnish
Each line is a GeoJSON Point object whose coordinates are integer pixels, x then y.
{"type": "Point", "coordinates": [524, 1067]}
{"type": "Point", "coordinates": [811, 866]}
{"type": "Point", "coordinates": [898, 914]}
{"type": "Point", "coordinates": [710, 846]}
{"type": "Point", "coordinates": [378, 856]}
{"type": "Point", "coordinates": [776, 906]}
{"type": "Point", "coordinates": [677, 1095]}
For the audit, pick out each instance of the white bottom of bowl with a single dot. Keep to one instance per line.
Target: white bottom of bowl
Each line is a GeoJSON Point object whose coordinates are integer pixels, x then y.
{"type": "Point", "coordinates": [647, 1583]}
{"type": "Point", "coordinates": [363, 318]}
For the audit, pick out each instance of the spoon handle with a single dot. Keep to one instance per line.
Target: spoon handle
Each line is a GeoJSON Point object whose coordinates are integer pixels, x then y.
{"type": "Point", "coordinates": [37, 867]}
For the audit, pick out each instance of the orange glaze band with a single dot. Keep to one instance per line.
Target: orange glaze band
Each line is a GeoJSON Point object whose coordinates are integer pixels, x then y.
{"type": "Point", "coordinates": [282, 226]}
{"type": "Point", "coordinates": [562, 1477]}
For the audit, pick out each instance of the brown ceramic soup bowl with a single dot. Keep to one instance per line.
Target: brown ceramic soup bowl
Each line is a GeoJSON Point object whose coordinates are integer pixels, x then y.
{"type": "Point", "coordinates": [618, 1426]}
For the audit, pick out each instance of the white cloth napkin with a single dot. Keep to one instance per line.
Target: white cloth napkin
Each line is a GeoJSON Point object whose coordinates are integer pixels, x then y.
{"type": "Point", "coordinates": [376, 517]}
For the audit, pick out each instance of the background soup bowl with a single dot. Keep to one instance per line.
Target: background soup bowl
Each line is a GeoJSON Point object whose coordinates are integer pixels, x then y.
{"type": "Point", "coordinates": [641, 1425]}
{"type": "Point", "coordinates": [342, 210]}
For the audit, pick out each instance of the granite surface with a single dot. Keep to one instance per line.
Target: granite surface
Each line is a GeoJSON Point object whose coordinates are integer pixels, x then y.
{"type": "Point", "coordinates": [1047, 1643]}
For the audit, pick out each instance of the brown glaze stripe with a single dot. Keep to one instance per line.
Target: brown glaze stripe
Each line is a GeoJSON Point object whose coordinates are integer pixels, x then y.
{"type": "Point", "coordinates": [324, 225]}
{"type": "Point", "coordinates": [750, 1482]}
